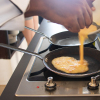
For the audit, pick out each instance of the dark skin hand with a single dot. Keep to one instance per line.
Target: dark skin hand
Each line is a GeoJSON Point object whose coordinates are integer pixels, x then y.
{"type": "Point", "coordinates": [73, 14]}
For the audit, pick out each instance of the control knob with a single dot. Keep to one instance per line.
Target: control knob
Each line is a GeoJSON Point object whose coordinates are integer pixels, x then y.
{"type": "Point", "coordinates": [93, 84]}
{"type": "Point", "coordinates": [50, 85]}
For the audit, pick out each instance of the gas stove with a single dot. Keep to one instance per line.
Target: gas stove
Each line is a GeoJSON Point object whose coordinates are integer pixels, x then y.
{"type": "Point", "coordinates": [36, 76]}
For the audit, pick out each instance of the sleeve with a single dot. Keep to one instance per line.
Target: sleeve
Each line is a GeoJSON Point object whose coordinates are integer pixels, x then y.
{"type": "Point", "coordinates": [12, 14]}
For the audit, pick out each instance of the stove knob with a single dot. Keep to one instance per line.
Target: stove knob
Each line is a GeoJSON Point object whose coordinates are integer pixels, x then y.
{"type": "Point", "coordinates": [93, 84]}
{"type": "Point", "coordinates": [50, 85]}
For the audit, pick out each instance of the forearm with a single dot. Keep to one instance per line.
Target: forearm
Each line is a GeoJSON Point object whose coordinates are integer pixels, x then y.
{"type": "Point", "coordinates": [36, 22]}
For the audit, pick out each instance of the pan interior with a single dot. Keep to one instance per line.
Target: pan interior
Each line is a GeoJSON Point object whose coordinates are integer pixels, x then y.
{"type": "Point", "coordinates": [90, 56]}
{"type": "Point", "coordinates": [71, 41]}
{"type": "Point", "coordinates": [68, 39]}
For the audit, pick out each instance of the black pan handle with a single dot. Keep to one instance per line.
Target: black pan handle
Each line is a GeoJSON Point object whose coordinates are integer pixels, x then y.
{"type": "Point", "coordinates": [38, 32]}
{"type": "Point", "coordinates": [21, 50]}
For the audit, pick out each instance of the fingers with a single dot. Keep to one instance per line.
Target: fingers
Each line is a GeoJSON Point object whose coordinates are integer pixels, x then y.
{"type": "Point", "coordinates": [87, 18]}
{"type": "Point", "coordinates": [81, 21]}
{"type": "Point", "coordinates": [84, 15]}
{"type": "Point", "coordinates": [72, 25]}
{"type": "Point", "coordinates": [89, 12]}
{"type": "Point", "coordinates": [84, 18]}
{"type": "Point", "coordinates": [93, 8]}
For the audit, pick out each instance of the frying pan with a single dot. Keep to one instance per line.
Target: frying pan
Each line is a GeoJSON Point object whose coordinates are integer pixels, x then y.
{"type": "Point", "coordinates": [90, 54]}
{"type": "Point", "coordinates": [66, 38]}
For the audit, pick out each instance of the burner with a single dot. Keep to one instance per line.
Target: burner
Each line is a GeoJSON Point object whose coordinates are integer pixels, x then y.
{"type": "Point", "coordinates": [36, 74]}
{"type": "Point", "coordinates": [40, 72]}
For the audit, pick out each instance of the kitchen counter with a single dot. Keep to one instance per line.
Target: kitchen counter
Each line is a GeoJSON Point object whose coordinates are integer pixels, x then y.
{"type": "Point", "coordinates": [9, 93]}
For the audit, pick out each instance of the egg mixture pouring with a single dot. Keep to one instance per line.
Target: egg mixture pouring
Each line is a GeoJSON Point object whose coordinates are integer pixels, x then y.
{"type": "Point", "coordinates": [70, 64]}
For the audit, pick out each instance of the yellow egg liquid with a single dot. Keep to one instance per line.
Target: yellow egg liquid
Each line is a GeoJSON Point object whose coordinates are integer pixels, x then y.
{"type": "Point", "coordinates": [83, 34]}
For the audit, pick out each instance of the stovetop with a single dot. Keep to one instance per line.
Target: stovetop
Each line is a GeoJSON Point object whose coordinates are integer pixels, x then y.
{"type": "Point", "coordinates": [40, 73]}
{"type": "Point", "coordinates": [36, 74]}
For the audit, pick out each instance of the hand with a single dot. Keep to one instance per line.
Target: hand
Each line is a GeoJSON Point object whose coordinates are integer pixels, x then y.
{"type": "Point", "coordinates": [73, 14]}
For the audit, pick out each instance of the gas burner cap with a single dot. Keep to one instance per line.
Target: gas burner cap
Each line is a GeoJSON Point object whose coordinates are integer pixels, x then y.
{"type": "Point", "coordinates": [50, 85]}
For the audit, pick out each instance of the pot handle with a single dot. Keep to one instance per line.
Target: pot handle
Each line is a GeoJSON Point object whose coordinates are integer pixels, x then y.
{"type": "Point", "coordinates": [21, 50]}
{"type": "Point", "coordinates": [38, 32]}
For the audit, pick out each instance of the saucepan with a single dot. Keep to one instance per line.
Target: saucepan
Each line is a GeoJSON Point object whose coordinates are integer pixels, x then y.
{"type": "Point", "coordinates": [66, 38]}
{"type": "Point", "coordinates": [90, 54]}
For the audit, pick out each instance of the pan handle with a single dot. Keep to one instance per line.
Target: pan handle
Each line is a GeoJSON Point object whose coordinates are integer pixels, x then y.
{"type": "Point", "coordinates": [38, 32]}
{"type": "Point", "coordinates": [21, 50]}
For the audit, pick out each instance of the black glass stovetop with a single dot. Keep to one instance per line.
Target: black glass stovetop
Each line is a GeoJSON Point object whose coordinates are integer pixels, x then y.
{"type": "Point", "coordinates": [40, 73]}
